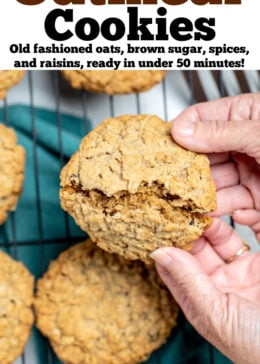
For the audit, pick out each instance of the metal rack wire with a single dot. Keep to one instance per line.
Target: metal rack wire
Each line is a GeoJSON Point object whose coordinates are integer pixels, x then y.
{"type": "Point", "coordinates": [18, 247]}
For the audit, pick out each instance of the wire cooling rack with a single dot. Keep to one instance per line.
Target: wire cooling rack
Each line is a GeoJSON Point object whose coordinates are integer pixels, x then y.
{"type": "Point", "coordinates": [178, 90]}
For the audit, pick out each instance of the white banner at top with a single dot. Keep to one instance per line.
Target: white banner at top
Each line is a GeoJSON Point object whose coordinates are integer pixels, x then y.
{"type": "Point", "coordinates": [128, 34]}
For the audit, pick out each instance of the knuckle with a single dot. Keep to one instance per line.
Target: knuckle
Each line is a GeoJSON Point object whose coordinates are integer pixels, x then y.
{"type": "Point", "coordinates": [217, 134]}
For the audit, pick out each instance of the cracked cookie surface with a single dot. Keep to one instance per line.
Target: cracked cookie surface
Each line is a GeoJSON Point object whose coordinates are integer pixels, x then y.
{"type": "Point", "coordinates": [9, 79]}
{"type": "Point", "coordinates": [12, 164]}
{"type": "Point", "coordinates": [99, 308]}
{"type": "Point", "coordinates": [133, 189]}
{"type": "Point", "coordinates": [114, 82]}
{"type": "Point", "coordinates": [16, 315]}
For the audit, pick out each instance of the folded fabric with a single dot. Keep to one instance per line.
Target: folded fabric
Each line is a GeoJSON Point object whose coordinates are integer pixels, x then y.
{"type": "Point", "coordinates": [49, 139]}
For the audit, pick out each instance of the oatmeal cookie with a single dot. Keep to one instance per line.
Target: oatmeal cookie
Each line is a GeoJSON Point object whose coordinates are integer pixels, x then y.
{"type": "Point", "coordinates": [114, 82]}
{"type": "Point", "coordinates": [133, 189]}
{"type": "Point", "coordinates": [99, 308]}
{"type": "Point", "coordinates": [16, 316]}
{"type": "Point", "coordinates": [12, 162]}
{"type": "Point", "coordinates": [9, 79]}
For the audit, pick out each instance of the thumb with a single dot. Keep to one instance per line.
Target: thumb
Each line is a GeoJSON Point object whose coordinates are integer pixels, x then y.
{"type": "Point", "coordinates": [218, 136]}
{"type": "Point", "coordinates": [192, 288]}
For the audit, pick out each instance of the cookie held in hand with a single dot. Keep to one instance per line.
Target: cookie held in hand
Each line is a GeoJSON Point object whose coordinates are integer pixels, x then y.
{"type": "Point", "coordinates": [16, 315]}
{"type": "Point", "coordinates": [114, 82]}
{"type": "Point", "coordinates": [133, 189]}
{"type": "Point", "coordinates": [12, 164]}
{"type": "Point", "coordinates": [96, 307]}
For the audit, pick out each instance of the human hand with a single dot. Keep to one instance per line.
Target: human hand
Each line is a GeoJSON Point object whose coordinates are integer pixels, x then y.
{"type": "Point", "coordinates": [228, 130]}
{"type": "Point", "coordinates": [220, 300]}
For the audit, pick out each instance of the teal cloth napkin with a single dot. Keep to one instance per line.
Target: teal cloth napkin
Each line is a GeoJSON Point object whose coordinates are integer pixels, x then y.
{"type": "Point", "coordinates": [38, 214]}
{"type": "Point", "coordinates": [39, 218]}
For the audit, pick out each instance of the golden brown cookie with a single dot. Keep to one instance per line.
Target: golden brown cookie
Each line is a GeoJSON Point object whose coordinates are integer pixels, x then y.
{"type": "Point", "coordinates": [114, 82]}
{"type": "Point", "coordinates": [9, 79]}
{"type": "Point", "coordinates": [99, 308]}
{"type": "Point", "coordinates": [16, 315]}
{"type": "Point", "coordinates": [12, 163]}
{"type": "Point", "coordinates": [132, 189]}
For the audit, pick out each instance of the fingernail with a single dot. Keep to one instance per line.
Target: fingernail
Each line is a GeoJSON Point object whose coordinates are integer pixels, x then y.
{"type": "Point", "coordinates": [161, 257]}
{"type": "Point", "coordinates": [184, 127]}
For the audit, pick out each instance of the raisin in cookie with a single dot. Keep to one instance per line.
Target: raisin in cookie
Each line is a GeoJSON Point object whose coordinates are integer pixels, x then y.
{"type": "Point", "coordinates": [99, 308]}
{"type": "Point", "coordinates": [9, 79]}
{"type": "Point", "coordinates": [12, 162]}
{"type": "Point", "coordinates": [114, 82]}
{"type": "Point", "coordinates": [16, 315]}
{"type": "Point", "coordinates": [133, 189]}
